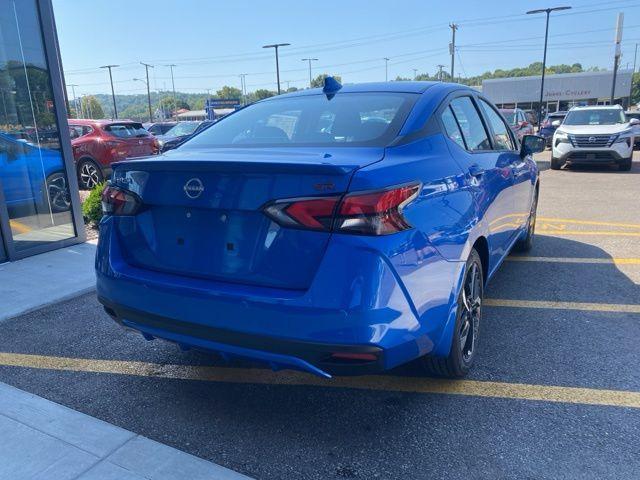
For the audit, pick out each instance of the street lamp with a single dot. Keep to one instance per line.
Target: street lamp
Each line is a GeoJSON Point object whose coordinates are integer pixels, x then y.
{"type": "Point", "coordinates": [386, 69]}
{"type": "Point", "coordinates": [310, 60]}
{"type": "Point", "coordinates": [113, 95]}
{"type": "Point", "coordinates": [148, 96]}
{"type": "Point", "coordinates": [276, 46]}
{"type": "Point", "coordinates": [544, 57]}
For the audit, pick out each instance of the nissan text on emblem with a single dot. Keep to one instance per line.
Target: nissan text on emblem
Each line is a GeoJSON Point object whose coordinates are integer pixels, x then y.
{"type": "Point", "coordinates": [193, 188]}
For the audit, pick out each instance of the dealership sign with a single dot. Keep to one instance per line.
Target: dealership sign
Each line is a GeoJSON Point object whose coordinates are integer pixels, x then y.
{"type": "Point", "coordinates": [568, 86]}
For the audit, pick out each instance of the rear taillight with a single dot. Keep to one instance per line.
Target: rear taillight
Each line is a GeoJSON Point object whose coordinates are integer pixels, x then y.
{"type": "Point", "coordinates": [118, 201]}
{"type": "Point", "coordinates": [368, 213]}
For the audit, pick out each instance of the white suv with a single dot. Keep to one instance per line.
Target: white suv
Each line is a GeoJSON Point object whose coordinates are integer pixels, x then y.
{"type": "Point", "coordinates": [599, 134]}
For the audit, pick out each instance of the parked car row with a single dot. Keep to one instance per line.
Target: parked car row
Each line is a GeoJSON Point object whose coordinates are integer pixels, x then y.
{"type": "Point", "coordinates": [518, 121]}
{"type": "Point", "coordinates": [97, 144]}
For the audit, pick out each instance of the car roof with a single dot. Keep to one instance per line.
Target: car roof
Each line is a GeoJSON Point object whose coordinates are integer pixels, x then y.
{"type": "Point", "coordinates": [101, 122]}
{"type": "Point", "coordinates": [395, 87]}
{"type": "Point", "coordinates": [597, 107]}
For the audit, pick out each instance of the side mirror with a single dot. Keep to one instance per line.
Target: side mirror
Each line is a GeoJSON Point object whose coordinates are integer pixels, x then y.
{"type": "Point", "coordinates": [532, 144]}
{"type": "Point", "coordinates": [556, 123]}
{"type": "Point", "coordinates": [634, 122]}
{"type": "Point", "coordinates": [524, 123]}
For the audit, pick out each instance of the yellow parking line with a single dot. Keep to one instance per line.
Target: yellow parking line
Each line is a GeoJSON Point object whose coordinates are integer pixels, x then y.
{"type": "Point", "coordinates": [588, 222]}
{"type": "Point", "coordinates": [519, 391]}
{"type": "Point", "coordinates": [615, 261]}
{"type": "Point", "coordinates": [19, 227]}
{"type": "Point", "coordinates": [595, 307]}
{"type": "Point", "coordinates": [611, 233]}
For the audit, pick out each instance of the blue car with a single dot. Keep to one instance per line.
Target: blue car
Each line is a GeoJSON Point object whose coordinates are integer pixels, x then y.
{"type": "Point", "coordinates": [32, 176]}
{"type": "Point", "coordinates": [343, 230]}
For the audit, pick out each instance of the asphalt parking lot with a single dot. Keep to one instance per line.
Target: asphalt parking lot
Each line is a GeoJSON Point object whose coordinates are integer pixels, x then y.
{"type": "Point", "coordinates": [555, 392]}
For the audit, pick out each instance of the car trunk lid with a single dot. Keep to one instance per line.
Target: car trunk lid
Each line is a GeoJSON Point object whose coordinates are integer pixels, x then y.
{"type": "Point", "coordinates": [202, 211]}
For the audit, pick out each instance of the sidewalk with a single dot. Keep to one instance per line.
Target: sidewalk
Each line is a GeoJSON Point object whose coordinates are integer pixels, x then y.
{"type": "Point", "coordinates": [41, 280]}
{"type": "Point", "coordinates": [42, 440]}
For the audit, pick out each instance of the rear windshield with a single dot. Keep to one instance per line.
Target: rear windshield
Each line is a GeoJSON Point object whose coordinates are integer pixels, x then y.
{"type": "Point", "coordinates": [126, 130]}
{"type": "Point", "coordinates": [595, 117]}
{"type": "Point", "coordinates": [183, 128]}
{"type": "Point", "coordinates": [350, 119]}
{"type": "Point", "coordinates": [510, 117]}
{"type": "Point", "coordinates": [632, 115]}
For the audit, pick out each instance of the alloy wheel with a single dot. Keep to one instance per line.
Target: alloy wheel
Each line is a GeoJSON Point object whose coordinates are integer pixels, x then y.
{"type": "Point", "coordinates": [471, 311]}
{"type": "Point", "coordinates": [89, 175]}
{"type": "Point", "coordinates": [58, 193]}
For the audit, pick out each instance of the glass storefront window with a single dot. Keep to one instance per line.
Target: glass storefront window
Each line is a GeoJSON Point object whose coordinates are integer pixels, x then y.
{"type": "Point", "coordinates": [32, 169]}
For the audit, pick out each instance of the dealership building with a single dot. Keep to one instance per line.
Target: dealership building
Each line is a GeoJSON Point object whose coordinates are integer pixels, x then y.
{"type": "Point", "coordinates": [561, 91]}
{"type": "Point", "coordinates": [39, 201]}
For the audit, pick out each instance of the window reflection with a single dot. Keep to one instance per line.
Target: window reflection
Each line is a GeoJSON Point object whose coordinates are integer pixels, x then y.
{"type": "Point", "coordinates": [32, 172]}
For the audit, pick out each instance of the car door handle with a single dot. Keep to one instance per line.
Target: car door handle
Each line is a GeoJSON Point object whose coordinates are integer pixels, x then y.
{"type": "Point", "coordinates": [476, 170]}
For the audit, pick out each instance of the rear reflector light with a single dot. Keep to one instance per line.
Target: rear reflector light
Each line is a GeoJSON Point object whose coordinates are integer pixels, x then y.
{"type": "Point", "coordinates": [118, 201]}
{"type": "Point", "coordinates": [367, 213]}
{"type": "Point", "coordinates": [354, 356]}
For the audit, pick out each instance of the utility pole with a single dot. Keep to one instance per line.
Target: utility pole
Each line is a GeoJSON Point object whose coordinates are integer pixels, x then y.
{"type": "Point", "coordinates": [147, 66]}
{"type": "Point", "coordinates": [173, 86]}
{"type": "Point", "coordinates": [616, 58]}
{"type": "Point", "coordinates": [544, 56]}
{"type": "Point", "coordinates": [310, 76]}
{"type": "Point", "coordinates": [452, 48]}
{"type": "Point", "coordinates": [440, 72]}
{"type": "Point", "coordinates": [415, 73]}
{"type": "Point", "coordinates": [75, 100]}
{"type": "Point", "coordinates": [113, 95]}
{"type": "Point", "coordinates": [633, 72]}
{"type": "Point", "coordinates": [386, 69]}
{"type": "Point", "coordinates": [275, 46]}
{"type": "Point", "coordinates": [243, 87]}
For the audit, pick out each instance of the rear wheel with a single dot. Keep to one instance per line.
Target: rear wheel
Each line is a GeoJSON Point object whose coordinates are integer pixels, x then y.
{"type": "Point", "coordinates": [465, 334]}
{"type": "Point", "coordinates": [625, 165]}
{"type": "Point", "coordinates": [556, 163]}
{"type": "Point", "coordinates": [89, 174]}
{"type": "Point", "coordinates": [58, 192]}
{"type": "Point", "coordinates": [525, 244]}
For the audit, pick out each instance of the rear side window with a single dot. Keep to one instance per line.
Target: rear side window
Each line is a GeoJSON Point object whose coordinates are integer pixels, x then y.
{"type": "Point", "coordinates": [126, 130]}
{"type": "Point", "coordinates": [501, 137]}
{"type": "Point", "coordinates": [473, 130]}
{"type": "Point", "coordinates": [451, 127]}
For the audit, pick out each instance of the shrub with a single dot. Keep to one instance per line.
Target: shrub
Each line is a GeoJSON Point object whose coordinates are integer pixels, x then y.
{"type": "Point", "coordinates": [92, 208]}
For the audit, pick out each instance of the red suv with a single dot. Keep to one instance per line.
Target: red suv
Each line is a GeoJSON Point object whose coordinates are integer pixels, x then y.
{"type": "Point", "coordinates": [518, 121]}
{"type": "Point", "coordinates": [98, 143]}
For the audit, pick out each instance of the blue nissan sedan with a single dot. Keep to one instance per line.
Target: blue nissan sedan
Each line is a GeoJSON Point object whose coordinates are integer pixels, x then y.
{"type": "Point", "coordinates": [343, 230]}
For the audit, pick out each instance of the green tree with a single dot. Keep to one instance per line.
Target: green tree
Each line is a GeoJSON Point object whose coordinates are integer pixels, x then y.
{"type": "Point", "coordinates": [635, 89]}
{"type": "Point", "coordinates": [91, 107]}
{"type": "Point", "coordinates": [319, 80]}
{"type": "Point", "coordinates": [229, 92]}
{"type": "Point", "coordinates": [261, 94]}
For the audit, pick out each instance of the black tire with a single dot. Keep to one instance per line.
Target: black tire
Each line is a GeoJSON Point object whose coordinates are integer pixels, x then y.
{"type": "Point", "coordinates": [525, 244]}
{"type": "Point", "coordinates": [89, 174]}
{"type": "Point", "coordinates": [625, 165]}
{"type": "Point", "coordinates": [57, 193]}
{"type": "Point", "coordinates": [556, 163]}
{"type": "Point", "coordinates": [469, 313]}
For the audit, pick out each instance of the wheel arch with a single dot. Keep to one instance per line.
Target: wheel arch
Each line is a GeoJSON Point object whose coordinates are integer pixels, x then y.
{"type": "Point", "coordinates": [481, 245]}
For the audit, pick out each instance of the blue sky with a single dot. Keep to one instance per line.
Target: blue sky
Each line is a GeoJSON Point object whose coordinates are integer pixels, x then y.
{"type": "Point", "coordinates": [212, 42]}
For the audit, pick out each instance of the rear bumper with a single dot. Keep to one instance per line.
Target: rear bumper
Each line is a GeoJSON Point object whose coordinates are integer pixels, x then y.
{"type": "Point", "coordinates": [360, 301]}
{"type": "Point", "coordinates": [312, 357]}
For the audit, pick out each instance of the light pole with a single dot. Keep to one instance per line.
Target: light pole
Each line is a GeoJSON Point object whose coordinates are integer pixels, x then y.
{"type": "Point", "coordinates": [415, 73]}
{"type": "Point", "coordinates": [75, 100]}
{"type": "Point", "coordinates": [386, 69]}
{"type": "Point", "coordinates": [275, 46]}
{"type": "Point", "coordinates": [146, 66]}
{"type": "Point", "coordinates": [310, 60]}
{"type": "Point", "coordinates": [544, 56]}
{"type": "Point", "coordinates": [243, 87]}
{"type": "Point", "coordinates": [147, 84]}
{"type": "Point", "coordinates": [173, 86]}
{"type": "Point", "coordinates": [113, 95]}
{"type": "Point", "coordinates": [440, 71]}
